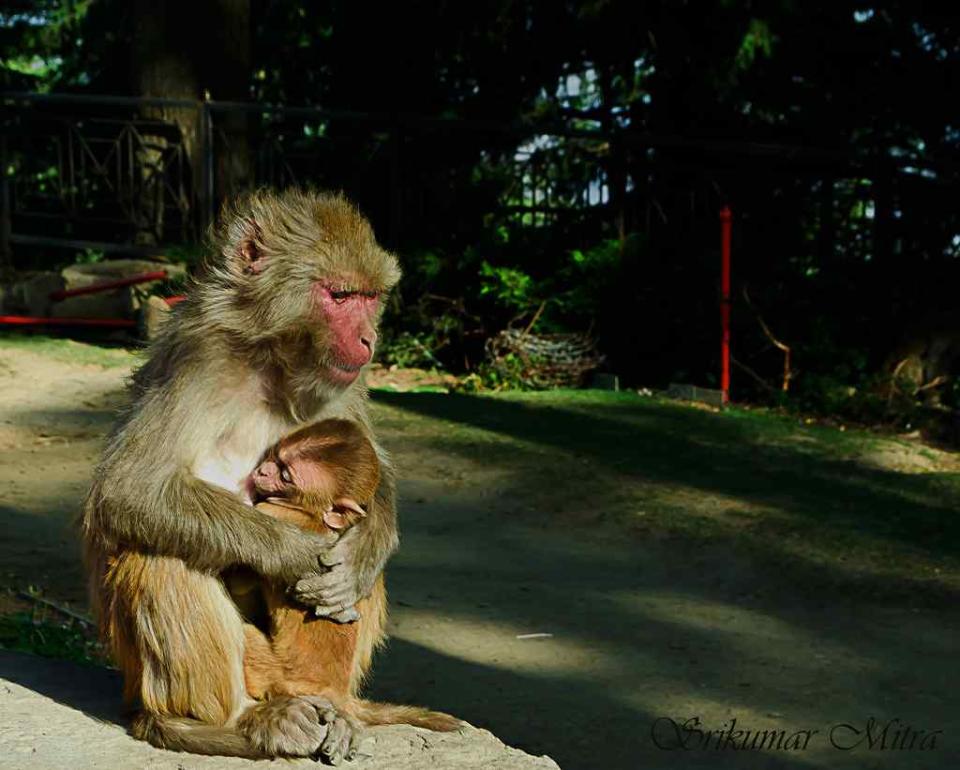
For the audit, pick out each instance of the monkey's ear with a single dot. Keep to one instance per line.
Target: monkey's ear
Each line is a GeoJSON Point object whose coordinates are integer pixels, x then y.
{"type": "Point", "coordinates": [248, 246]}
{"type": "Point", "coordinates": [335, 519]}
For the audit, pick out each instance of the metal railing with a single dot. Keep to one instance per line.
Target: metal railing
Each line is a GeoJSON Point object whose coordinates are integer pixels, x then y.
{"type": "Point", "coordinates": [137, 175]}
{"type": "Point", "coordinates": [134, 175]}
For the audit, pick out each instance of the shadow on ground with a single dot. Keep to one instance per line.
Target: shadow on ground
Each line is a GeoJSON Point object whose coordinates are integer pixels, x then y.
{"type": "Point", "coordinates": [678, 447]}
{"type": "Point", "coordinates": [93, 690]}
{"type": "Point", "coordinates": [641, 633]}
{"type": "Point", "coordinates": [677, 627]}
{"type": "Point", "coordinates": [640, 628]}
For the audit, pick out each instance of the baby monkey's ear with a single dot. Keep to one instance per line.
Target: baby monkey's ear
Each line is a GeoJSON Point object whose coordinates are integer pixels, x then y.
{"type": "Point", "coordinates": [344, 512]}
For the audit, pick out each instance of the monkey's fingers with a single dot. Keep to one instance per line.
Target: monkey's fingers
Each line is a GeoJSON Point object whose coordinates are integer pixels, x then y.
{"type": "Point", "coordinates": [336, 744]}
{"type": "Point", "coordinates": [342, 552]}
{"type": "Point", "coordinates": [311, 590]}
{"type": "Point", "coordinates": [343, 615]}
{"type": "Point", "coordinates": [361, 746]}
{"type": "Point", "coordinates": [338, 554]}
{"type": "Point", "coordinates": [351, 740]}
{"type": "Point", "coordinates": [336, 586]}
{"type": "Point", "coordinates": [325, 542]}
{"type": "Point", "coordinates": [284, 726]}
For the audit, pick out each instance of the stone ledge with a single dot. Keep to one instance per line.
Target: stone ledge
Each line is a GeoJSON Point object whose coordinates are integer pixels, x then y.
{"type": "Point", "coordinates": [55, 714]}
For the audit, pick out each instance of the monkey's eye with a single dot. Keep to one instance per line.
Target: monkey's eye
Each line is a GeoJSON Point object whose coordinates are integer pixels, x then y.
{"type": "Point", "coordinates": [342, 295]}
{"type": "Point", "coordinates": [371, 294]}
{"type": "Point", "coordinates": [285, 475]}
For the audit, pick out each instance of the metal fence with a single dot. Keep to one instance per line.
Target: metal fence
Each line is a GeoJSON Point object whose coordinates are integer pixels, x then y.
{"type": "Point", "coordinates": [137, 175]}
{"type": "Point", "coordinates": [141, 175]}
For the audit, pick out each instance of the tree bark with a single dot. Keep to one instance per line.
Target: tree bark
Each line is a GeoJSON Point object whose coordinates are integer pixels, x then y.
{"type": "Point", "coordinates": [192, 51]}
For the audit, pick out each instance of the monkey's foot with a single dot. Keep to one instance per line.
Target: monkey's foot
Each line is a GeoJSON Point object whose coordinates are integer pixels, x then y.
{"type": "Point", "coordinates": [342, 741]}
{"type": "Point", "coordinates": [286, 727]}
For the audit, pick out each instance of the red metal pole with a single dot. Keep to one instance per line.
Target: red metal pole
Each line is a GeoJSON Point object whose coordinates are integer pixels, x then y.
{"type": "Point", "coordinates": [157, 275]}
{"type": "Point", "coordinates": [725, 223]}
{"type": "Point", "coordinates": [26, 320]}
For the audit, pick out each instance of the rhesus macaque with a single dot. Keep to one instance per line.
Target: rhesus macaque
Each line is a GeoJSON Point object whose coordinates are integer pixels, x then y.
{"type": "Point", "coordinates": [323, 478]}
{"type": "Point", "coordinates": [272, 337]}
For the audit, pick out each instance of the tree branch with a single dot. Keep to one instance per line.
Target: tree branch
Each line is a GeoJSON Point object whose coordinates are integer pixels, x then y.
{"type": "Point", "coordinates": [787, 372]}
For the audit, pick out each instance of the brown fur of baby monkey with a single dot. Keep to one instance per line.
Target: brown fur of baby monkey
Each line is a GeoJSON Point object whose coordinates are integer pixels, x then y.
{"type": "Point", "coordinates": [271, 337]}
{"type": "Point", "coordinates": [321, 478]}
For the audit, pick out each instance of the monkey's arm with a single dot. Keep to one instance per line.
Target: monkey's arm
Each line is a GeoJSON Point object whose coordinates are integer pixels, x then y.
{"type": "Point", "coordinates": [207, 527]}
{"type": "Point", "coordinates": [145, 497]}
{"type": "Point", "coordinates": [356, 561]}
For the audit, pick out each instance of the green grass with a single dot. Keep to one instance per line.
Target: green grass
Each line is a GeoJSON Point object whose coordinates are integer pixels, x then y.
{"type": "Point", "coordinates": [794, 493]}
{"type": "Point", "coordinates": [67, 350]}
{"type": "Point", "coordinates": [22, 632]}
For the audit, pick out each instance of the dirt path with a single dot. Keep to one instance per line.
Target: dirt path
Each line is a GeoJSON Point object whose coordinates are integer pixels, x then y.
{"type": "Point", "coordinates": [626, 632]}
{"type": "Point", "coordinates": [53, 419]}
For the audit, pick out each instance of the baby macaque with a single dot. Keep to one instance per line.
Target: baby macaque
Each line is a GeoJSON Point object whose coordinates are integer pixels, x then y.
{"type": "Point", "coordinates": [320, 478]}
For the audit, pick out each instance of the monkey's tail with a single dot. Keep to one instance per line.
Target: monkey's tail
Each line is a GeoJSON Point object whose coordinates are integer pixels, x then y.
{"type": "Point", "coordinates": [192, 735]}
{"type": "Point", "coordinates": [372, 713]}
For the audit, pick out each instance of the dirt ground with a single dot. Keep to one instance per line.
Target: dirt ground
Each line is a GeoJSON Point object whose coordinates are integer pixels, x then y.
{"type": "Point", "coordinates": [571, 641]}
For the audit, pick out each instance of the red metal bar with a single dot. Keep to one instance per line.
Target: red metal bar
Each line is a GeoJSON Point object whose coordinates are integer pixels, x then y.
{"type": "Point", "coordinates": [26, 320]}
{"type": "Point", "coordinates": [725, 226]}
{"type": "Point", "coordinates": [157, 275]}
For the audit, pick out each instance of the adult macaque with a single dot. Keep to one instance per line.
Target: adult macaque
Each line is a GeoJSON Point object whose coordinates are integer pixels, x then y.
{"type": "Point", "coordinates": [322, 478]}
{"type": "Point", "coordinates": [273, 336]}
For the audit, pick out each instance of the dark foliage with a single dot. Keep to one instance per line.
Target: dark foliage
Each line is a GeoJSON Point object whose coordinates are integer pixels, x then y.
{"type": "Point", "coordinates": [566, 161]}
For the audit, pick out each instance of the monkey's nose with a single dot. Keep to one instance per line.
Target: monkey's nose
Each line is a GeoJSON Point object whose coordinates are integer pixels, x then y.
{"type": "Point", "coordinates": [368, 339]}
{"type": "Point", "coordinates": [266, 469]}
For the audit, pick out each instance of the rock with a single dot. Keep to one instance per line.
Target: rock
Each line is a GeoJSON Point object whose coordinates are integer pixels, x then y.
{"type": "Point", "coordinates": [55, 714]}
{"type": "Point", "coordinates": [605, 381]}
{"type": "Point", "coordinates": [116, 303]}
{"type": "Point", "coordinates": [29, 293]}
{"type": "Point", "coordinates": [155, 312]}
{"type": "Point", "coordinates": [708, 396]}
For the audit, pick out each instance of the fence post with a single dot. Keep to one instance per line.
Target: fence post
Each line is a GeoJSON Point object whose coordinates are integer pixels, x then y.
{"type": "Point", "coordinates": [6, 226]}
{"type": "Point", "coordinates": [725, 224]}
{"type": "Point", "coordinates": [206, 166]}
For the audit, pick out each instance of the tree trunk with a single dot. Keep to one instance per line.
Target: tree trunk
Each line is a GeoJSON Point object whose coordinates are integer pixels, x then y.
{"type": "Point", "coordinates": [191, 51]}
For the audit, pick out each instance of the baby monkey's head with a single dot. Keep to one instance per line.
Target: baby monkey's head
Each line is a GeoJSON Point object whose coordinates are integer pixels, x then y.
{"type": "Point", "coordinates": [328, 469]}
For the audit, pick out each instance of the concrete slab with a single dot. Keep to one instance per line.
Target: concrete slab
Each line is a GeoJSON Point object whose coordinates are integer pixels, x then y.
{"type": "Point", "coordinates": [55, 714]}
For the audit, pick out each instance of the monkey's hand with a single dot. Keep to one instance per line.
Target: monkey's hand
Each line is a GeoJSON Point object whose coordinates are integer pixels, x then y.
{"type": "Point", "coordinates": [303, 555]}
{"type": "Point", "coordinates": [334, 591]}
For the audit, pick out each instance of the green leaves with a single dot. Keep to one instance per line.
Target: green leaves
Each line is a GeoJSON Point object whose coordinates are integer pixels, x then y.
{"type": "Point", "coordinates": [757, 40]}
{"type": "Point", "coordinates": [509, 286]}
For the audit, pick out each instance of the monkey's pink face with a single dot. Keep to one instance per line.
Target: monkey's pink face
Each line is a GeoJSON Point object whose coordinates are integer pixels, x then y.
{"type": "Point", "coordinates": [278, 479]}
{"type": "Point", "coordinates": [350, 315]}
